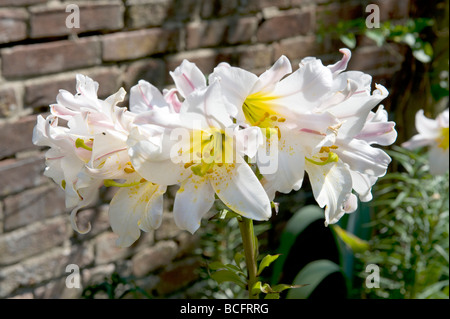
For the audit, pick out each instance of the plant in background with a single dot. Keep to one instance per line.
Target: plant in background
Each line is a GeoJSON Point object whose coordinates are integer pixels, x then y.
{"type": "Point", "coordinates": [411, 227]}
{"type": "Point", "coordinates": [236, 138]}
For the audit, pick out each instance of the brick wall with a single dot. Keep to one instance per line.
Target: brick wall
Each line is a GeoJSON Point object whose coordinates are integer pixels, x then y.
{"type": "Point", "coordinates": [118, 43]}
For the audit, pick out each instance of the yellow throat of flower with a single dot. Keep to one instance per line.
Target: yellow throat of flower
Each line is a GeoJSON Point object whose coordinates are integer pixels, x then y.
{"type": "Point", "coordinates": [210, 149]}
{"type": "Point", "coordinates": [443, 139]}
{"type": "Point", "coordinates": [258, 110]}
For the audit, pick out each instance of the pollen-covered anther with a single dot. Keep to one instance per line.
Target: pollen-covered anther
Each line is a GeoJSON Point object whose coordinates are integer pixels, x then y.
{"type": "Point", "coordinates": [129, 168]}
{"type": "Point", "coordinates": [187, 165]}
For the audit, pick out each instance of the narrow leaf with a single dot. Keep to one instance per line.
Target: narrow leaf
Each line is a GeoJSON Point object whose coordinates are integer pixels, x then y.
{"type": "Point", "coordinates": [226, 275]}
{"type": "Point", "coordinates": [311, 275]}
{"type": "Point", "coordinates": [267, 260]}
{"type": "Point", "coordinates": [295, 226]}
{"type": "Point", "coordinates": [356, 244]}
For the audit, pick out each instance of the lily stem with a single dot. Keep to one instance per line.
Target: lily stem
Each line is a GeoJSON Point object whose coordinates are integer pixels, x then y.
{"type": "Point", "coordinates": [250, 251]}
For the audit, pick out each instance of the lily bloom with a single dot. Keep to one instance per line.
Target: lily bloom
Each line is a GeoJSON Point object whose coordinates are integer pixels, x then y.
{"type": "Point", "coordinates": [205, 162]}
{"type": "Point", "coordinates": [350, 163]}
{"type": "Point", "coordinates": [435, 135]}
{"type": "Point", "coordinates": [92, 151]}
{"type": "Point", "coordinates": [324, 121]}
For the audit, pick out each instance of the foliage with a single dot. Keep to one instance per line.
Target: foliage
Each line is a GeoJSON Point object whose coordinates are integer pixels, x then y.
{"type": "Point", "coordinates": [408, 32]}
{"type": "Point", "coordinates": [411, 224]}
{"type": "Point", "coordinates": [114, 287]}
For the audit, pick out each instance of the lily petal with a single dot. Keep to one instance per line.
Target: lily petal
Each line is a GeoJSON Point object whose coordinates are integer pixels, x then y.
{"type": "Point", "coordinates": [192, 201]}
{"type": "Point", "coordinates": [239, 188]}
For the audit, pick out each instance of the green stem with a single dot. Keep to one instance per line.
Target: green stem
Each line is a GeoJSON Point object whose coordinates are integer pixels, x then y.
{"type": "Point", "coordinates": [250, 252]}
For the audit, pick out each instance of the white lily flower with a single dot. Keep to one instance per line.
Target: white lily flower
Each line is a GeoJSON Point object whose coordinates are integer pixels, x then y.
{"type": "Point", "coordinates": [267, 102]}
{"type": "Point", "coordinates": [435, 135]}
{"type": "Point", "coordinates": [98, 154]}
{"type": "Point", "coordinates": [205, 162]}
{"type": "Point", "coordinates": [326, 127]}
{"type": "Point", "coordinates": [350, 162]}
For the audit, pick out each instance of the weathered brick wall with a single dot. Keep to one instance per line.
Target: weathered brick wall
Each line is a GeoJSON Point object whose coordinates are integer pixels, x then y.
{"type": "Point", "coordinates": [118, 43]}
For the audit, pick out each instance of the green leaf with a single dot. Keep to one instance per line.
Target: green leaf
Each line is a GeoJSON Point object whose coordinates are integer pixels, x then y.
{"type": "Point", "coordinates": [294, 227]}
{"type": "Point", "coordinates": [311, 275]}
{"type": "Point", "coordinates": [227, 275]}
{"type": "Point", "coordinates": [267, 260]}
{"type": "Point", "coordinates": [349, 40]}
{"type": "Point", "coordinates": [377, 36]}
{"type": "Point", "coordinates": [260, 287]}
{"type": "Point", "coordinates": [238, 257]}
{"type": "Point", "coordinates": [356, 244]}
{"type": "Point", "coordinates": [281, 287]}
{"type": "Point", "coordinates": [272, 296]}
{"type": "Point", "coordinates": [216, 265]}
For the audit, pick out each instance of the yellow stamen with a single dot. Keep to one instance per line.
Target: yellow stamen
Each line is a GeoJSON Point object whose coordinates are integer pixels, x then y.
{"type": "Point", "coordinates": [332, 157]}
{"type": "Point", "coordinates": [80, 143]}
{"type": "Point", "coordinates": [111, 183]}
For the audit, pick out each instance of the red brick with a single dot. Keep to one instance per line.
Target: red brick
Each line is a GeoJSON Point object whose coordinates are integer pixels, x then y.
{"type": "Point", "coordinates": [152, 258]}
{"type": "Point", "coordinates": [20, 174]}
{"type": "Point", "coordinates": [179, 275]}
{"type": "Point", "coordinates": [44, 58]}
{"type": "Point", "coordinates": [284, 25]}
{"type": "Point", "coordinates": [33, 205]}
{"type": "Point", "coordinates": [373, 58]}
{"type": "Point", "coordinates": [16, 135]}
{"type": "Point", "coordinates": [137, 44]}
{"type": "Point", "coordinates": [242, 30]}
{"type": "Point", "coordinates": [9, 103]}
{"type": "Point", "coordinates": [20, 2]}
{"type": "Point", "coordinates": [41, 92]}
{"type": "Point", "coordinates": [184, 10]}
{"type": "Point", "coordinates": [13, 25]}
{"type": "Point", "coordinates": [146, 13]}
{"type": "Point", "coordinates": [107, 250]}
{"type": "Point", "coordinates": [256, 58]}
{"type": "Point", "coordinates": [206, 34]}
{"type": "Point", "coordinates": [257, 5]}
{"type": "Point", "coordinates": [51, 21]}
{"type": "Point", "coordinates": [151, 70]}
{"type": "Point", "coordinates": [45, 267]}
{"type": "Point", "coordinates": [33, 239]}
{"type": "Point", "coordinates": [211, 8]}
{"type": "Point", "coordinates": [298, 48]}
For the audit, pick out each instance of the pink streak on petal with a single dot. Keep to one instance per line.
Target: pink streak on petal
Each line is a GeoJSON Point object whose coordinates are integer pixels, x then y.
{"type": "Point", "coordinates": [145, 98]}
{"type": "Point", "coordinates": [112, 152]}
{"type": "Point", "coordinates": [54, 158]}
{"type": "Point", "coordinates": [189, 82]}
{"type": "Point", "coordinates": [306, 130]}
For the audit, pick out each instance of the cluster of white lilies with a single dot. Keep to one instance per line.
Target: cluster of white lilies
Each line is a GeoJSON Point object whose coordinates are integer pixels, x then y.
{"type": "Point", "coordinates": [231, 135]}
